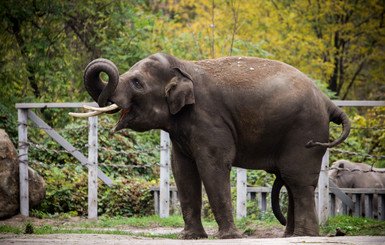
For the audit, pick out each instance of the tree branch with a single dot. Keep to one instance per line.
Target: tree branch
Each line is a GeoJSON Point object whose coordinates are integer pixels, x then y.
{"type": "Point", "coordinates": [361, 65]}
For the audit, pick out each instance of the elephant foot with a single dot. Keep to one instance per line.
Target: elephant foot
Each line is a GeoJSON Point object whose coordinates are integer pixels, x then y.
{"type": "Point", "coordinates": [230, 234]}
{"type": "Point", "coordinates": [300, 232]}
{"type": "Point", "coordinates": [192, 235]}
{"type": "Point", "coordinates": [306, 233]}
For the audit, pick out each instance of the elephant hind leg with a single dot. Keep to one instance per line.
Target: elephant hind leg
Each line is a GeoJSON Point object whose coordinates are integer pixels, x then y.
{"type": "Point", "coordinates": [289, 231]}
{"type": "Point", "coordinates": [302, 216]}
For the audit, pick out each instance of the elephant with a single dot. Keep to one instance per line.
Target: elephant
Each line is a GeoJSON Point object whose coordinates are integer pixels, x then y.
{"type": "Point", "coordinates": [238, 111]}
{"type": "Point", "coordinates": [346, 174]}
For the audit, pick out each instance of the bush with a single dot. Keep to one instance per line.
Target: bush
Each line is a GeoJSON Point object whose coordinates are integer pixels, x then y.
{"type": "Point", "coordinates": [67, 192]}
{"type": "Point", "coordinates": [368, 139]}
{"type": "Point", "coordinates": [130, 197]}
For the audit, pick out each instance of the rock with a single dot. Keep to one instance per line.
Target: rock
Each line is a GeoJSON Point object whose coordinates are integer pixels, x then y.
{"type": "Point", "coordinates": [9, 180]}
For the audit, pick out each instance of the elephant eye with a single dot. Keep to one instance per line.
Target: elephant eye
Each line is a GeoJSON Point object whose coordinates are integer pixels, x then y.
{"type": "Point", "coordinates": [135, 81]}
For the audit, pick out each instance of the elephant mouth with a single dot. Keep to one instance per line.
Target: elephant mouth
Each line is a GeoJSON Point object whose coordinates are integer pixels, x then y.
{"type": "Point", "coordinates": [125, 112]}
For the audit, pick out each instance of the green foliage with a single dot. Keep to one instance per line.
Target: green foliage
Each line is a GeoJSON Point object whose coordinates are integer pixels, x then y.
{"type": "Point", "coordinates": [67, 191]}
{"type": "Point", "coordinates": [29, 228]}
{"type": "Point", "coordinates": [354, 226]}
{"type": "Point", "coordinates": [128, 198]}
{"type": "Point", "coordinates": [369, 138]}
{"type": "Point", "coordinates": [139, 146]}
{"type": "Point", "coordinates": [8, 123]}
{"type": "Point", "coordinates": [105, 221]}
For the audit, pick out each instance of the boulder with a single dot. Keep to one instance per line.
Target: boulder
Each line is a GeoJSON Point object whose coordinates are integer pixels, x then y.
{"type": "Point", "coordinates": [9, 180]}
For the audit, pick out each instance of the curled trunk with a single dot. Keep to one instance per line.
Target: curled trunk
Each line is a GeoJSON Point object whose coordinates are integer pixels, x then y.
{"type": "Point", "coordinates": [100, 90]}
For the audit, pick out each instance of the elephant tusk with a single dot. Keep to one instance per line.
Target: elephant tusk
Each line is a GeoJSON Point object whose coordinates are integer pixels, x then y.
{"type": "Point", "coordinates": [88, 114]}
{"type": "Point", "coordinates": [102, 109]}
{"type": "Point", "coordinates": [95, 111]}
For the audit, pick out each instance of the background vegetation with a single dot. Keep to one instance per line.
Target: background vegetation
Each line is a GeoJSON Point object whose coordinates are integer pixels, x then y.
{"type": "Point", "coordinates": [45, 46]}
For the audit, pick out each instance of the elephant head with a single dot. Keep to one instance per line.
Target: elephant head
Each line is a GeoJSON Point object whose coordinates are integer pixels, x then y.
{"type": "Point", "coordinates": [148, 94]}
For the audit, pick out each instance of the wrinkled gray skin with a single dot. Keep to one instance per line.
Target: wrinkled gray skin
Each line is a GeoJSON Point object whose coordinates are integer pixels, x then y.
{"type": "Point", "coordinates": [357, 179]}
{"type": "Point", "coordinates": [236, 111]}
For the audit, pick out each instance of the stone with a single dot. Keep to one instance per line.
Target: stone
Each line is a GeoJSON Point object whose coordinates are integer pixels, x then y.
{"type": "Point", "coordinates": [9, 180]}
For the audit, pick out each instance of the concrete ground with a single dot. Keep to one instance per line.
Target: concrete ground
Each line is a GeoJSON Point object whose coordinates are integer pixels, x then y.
{"type": "Point", "coordinates": [14, 239]}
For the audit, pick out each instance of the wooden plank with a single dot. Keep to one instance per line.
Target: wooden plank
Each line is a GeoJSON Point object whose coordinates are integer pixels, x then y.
{"type": "Point", "coordinates": [363, 190]}
{"type": "Point", "coordinates": [174, 199]}
{"type": "Point", "coordinates": [93, 168]}
{"type": "Point", "coordinates": [381, 206]}
{"type": "Point", "coordinates": [358, 103]}
{"type": "Point", "coordinates": [260, 189]}
{"type": "Point", "coordinates": [164, 197]}
{"type": "Point", "coordinates": [54, 105]}
{"type": "Point", "coordinates": [262, 202]}
{"type": "Point", "coordinates": [156, 202]}
{"type": "Point", "coordinates": [63, 142]}
{"type": "Point", "coordinates": [241, 192]}
{"type": "Point", "coordinates": [23, 162]}
{"type": "Point", "coordinates": [369, 206]}
{"type": "Point", "coordinates": [357, 205]}
{"type": "Point", "coordinates": [80, 104]}
{"type": "Point", "coordinates": [341, 195]}
{"type": "Point", "coordinates": [323, 190]}
{"type": "Point", "coordinates": [332, 205]}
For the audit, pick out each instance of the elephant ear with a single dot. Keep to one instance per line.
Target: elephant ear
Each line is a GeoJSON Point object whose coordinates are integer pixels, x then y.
{"type": "Point", "coordinates": [179, 91]}
{"type": "Point", "coordinates": [340, 172]}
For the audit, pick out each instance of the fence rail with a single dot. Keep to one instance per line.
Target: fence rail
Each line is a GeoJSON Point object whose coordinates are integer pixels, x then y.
{"type": "Point", "coordinates": [369, 203]}
{"type": "Point", "coordinates": [25, 113]}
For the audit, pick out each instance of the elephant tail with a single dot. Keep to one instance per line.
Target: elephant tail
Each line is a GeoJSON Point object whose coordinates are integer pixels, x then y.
{"type": "Point", "coordinates": [277, 186]}
{"type": "Point", "coordinates": [337, 116]}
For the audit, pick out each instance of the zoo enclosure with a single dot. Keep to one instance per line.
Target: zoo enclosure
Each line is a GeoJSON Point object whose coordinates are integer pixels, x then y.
{"type": "Point", "coordinates": [24, 113]}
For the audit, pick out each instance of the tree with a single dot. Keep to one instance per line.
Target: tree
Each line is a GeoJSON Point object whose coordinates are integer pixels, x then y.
{"type": "Point", "coordinates": [47, 44]}
{"type": "Point", "coordinates": [339, 43]}
{"type": "Point", "coordinates": [349, 35]}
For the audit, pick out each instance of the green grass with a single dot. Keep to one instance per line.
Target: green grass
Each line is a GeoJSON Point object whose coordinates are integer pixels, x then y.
{"type": "Point", "coordinates": [10, 229]}
{"type": "Point", "coordinates": [140, 222]}
{"type": "Point", "coordinates": [47, 229]}
{"type": "Point", "coordinates": [351, 225]}
{"type": "Point", "coordinates": [354, 226]}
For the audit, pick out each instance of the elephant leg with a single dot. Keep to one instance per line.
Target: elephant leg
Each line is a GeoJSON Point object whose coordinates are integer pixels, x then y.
{"type": "Point", "coordinates": [299, 168]}
{"type": "Point", "coordinates": [217, 184]}
{"type": "Point", "coordinates": [305, 221]}
{"type": "Point", "coordinates": [289, 231]}
{"type": "Point", "coordinates": [189, 187]}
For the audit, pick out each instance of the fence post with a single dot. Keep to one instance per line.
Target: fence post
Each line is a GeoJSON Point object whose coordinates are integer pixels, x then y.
{"type": "Point", "coordinates": [164, 195]}
{"type": "Point", "coordinates": [323, 189]}
{"type": "Point", "coordinates": [23, 162]}
{"type": "Point", "coordinates": [93, 168]}
{"type": "Point", "coordinates": [241, 192]}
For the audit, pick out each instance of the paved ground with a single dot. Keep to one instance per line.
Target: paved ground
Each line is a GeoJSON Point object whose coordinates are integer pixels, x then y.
{"type": "Point", "coordinates": [8, 238]}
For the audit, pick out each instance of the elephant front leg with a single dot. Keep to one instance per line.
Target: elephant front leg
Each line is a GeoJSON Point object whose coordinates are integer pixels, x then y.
{"type": "Point", "coordinates": [216, 180]}
{"type": "Point", "coordinates": [190, 195]}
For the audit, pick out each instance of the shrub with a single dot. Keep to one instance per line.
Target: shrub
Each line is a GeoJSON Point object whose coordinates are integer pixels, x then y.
{"type": "Point", "coordinates": [67, 192]}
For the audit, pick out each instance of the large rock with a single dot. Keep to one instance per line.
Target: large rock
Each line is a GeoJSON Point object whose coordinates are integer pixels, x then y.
{"type": "Point", "coordinates": [9, 180]}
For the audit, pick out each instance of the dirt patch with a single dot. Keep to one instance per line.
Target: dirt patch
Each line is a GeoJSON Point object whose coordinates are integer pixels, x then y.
{"type": "Point", "coordinates": [20, 220]}
{"type": "Point", "coordinates": [253, 231]}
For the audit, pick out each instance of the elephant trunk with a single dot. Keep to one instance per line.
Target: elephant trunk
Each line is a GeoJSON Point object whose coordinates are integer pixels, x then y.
{"type": "Point", "coordinates": [99, 90]}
